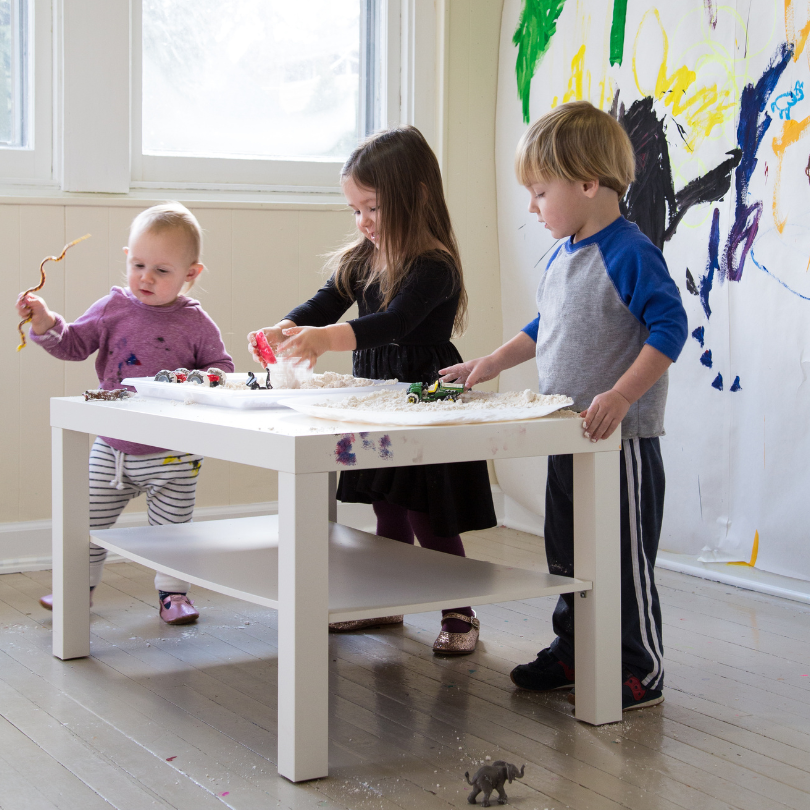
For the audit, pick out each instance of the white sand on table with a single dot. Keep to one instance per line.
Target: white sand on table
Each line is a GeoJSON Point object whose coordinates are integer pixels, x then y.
{"type": "Point", "coordinates": [468, 401]}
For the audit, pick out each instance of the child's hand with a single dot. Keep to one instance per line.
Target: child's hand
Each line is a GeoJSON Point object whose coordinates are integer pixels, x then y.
{"type": "Point", "coordinates": [472, 372]}
{"type": "Point", "coordinates": [605, 415]}
{"type": "Point", "coordinates": [306, 342]}
{"type": "Point", "coordinates": [42, 319]}
{"type": "Point", "coordinates": [274, 337]}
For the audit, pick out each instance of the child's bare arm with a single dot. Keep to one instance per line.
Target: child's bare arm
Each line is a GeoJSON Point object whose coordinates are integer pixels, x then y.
{"type": "Point", "coordinates": [42, 319]}
{"type": "Point", "coordinates": [609, 408]}
{"type": "Point", "coordinates": [514, 352]}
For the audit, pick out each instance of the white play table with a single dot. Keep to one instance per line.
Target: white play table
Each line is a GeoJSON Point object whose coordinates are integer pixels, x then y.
{"type": "Point", "coordinates": [313, 570]}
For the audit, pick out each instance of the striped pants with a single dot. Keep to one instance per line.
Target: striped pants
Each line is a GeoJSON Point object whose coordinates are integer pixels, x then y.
{"type": "Point", "coordinates": [169, 480]}
{"type": "Point", "coordinates": [642, 486]}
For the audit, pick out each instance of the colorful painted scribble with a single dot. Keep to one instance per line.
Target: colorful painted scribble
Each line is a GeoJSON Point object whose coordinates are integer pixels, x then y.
{"type": "Point", "coordinates": [344, 451]}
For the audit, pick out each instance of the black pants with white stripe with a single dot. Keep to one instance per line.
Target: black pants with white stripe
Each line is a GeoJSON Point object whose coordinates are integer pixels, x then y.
{"type": "Point", "coordinates": [642, 510]}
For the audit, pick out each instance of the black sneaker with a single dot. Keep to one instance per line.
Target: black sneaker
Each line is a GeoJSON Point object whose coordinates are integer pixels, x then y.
{"type": "Point", "coordinates": [544, 674]}
{"type": "Point", "coordinates": [634, 695]}
{"type": "Point", "coordinates": [637, 696]}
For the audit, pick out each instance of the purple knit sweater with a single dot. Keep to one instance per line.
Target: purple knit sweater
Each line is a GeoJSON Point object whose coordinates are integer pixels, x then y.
{"type": "Point", "coordinates": [136, 340]}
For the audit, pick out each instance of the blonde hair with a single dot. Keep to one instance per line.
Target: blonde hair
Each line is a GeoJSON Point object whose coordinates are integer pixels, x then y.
{"type": "Point", "coordinates": [576, 142]}
{"type": "Point", "coordinates": [172, 216]}
{"type": "Point", "coordinates": [400, 167]}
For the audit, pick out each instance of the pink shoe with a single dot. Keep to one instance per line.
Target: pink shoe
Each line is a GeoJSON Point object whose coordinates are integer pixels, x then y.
{"type": "Point", "coordinates": [47, 600]}
{"type": "Point", "coordinates": [177, 608]}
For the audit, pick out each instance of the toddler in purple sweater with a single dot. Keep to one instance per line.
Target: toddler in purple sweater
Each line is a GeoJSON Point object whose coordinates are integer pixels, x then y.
{"type": "Point", "coordinates": [138, 331]}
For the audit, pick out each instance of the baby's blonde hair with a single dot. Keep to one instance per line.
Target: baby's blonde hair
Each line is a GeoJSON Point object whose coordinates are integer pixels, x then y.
{"type": "Point", "coordinates": [576, 142]}
{"type": "Point", "coordinates": [172, 216]}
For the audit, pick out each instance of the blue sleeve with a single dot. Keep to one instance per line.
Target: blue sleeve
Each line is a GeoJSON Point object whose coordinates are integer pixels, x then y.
{"type": "Point", "coordinates": [641, 278]}
{"type": "Point", "coordinates": [531, 328]}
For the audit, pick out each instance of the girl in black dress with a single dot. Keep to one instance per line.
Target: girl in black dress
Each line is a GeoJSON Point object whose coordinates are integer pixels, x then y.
{"type": "Point", "coordinates": [404, 271]}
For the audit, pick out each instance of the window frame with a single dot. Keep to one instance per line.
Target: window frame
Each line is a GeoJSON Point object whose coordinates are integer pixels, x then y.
{"type": "Point", "coordinates": [33, 163]}
{"type": "Point", "coordinates": [269, 174]}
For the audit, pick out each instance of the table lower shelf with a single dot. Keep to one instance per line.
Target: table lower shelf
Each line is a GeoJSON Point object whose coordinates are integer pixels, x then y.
{"type": "Point", "coordinates": [368, 576]}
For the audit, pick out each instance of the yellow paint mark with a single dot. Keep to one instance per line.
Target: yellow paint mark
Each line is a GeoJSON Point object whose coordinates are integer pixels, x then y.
{"type": "Point", "coordinates": [790, 31]}
{"type": "Point", "coordinates": [792, 131]}
{"type": "Point", "coordinates": [754, 552]}
{"type": "Point", "coordinates": [702, 108]}
{"type": "Point", "coordinates": [555, 101]}
{"type": "Point", "coordinates": [575, 88]}
{"type": "Point", "coordinates": [171, 460]}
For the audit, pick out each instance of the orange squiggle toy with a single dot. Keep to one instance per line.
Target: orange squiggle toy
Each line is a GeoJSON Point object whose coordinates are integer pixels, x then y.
{"type": "Point", "coordinates": [42, 283]}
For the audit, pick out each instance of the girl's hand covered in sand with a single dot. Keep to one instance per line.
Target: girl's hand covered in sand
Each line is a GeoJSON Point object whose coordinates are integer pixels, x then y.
{"type": "Point", "coordinates": [42, 319]}
{"type": "Point", "coordinates": [275, 337]}
{"type": "Point", "coordinates": [472, 372]}
{"type": "Point", "coordinates": [604, 415]}
{"type": "Point", "coordinates": [306, 342]}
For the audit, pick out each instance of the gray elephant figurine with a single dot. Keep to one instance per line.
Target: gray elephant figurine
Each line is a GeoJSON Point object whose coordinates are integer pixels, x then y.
{"type": "Point", "coordinates": [492, 777]}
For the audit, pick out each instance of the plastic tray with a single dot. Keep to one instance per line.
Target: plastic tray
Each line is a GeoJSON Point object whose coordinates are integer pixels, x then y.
{"type": "Point", "coordinates": [245, 400]}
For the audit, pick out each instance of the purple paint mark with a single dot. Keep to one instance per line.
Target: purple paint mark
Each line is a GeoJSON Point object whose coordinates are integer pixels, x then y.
{"type": "Point", "coordinates": [368, 444]}
{"type": "Point", "coordinates": [706, 358]}
{"type": "Point", "coordinates": [343, 451]}
{"type": "Point", "coordinates": [712, 265]}
{"type": "Point", "coordinates": [751, 128]}
{"type": "Point", "coordinates": [735, 386]}
{"type": "Point", "coordinates": [385, 447]}
{"type": "Point", "coordinates": [718, 382]}
{"type": "Point", "coordinates": [699, 335]}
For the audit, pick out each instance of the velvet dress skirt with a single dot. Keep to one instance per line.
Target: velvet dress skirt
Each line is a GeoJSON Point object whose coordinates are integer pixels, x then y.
{"type": "Point", "coordinates": [457, 496]}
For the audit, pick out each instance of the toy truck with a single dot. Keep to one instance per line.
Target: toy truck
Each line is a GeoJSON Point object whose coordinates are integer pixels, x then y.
{"type": "Point", "coordinates": [213, 377]}
{"type": "Point", "coordinates": [433, 392]}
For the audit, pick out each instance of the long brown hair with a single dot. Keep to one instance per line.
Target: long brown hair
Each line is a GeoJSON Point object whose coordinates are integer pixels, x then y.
{"type": "Point", "coordinates": [402, 170]}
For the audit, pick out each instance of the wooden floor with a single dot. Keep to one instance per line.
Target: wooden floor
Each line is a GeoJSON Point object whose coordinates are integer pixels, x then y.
{"type": "Point", "coordinates": [185, 717]}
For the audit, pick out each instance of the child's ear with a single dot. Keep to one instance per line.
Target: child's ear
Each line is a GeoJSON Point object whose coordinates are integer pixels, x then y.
{"type": "Point", "coordinates": [126, 250]}
{"type": "Point", "coordinates": [194, 271]}
{"type": "Point", "coordinates": [590, 187]}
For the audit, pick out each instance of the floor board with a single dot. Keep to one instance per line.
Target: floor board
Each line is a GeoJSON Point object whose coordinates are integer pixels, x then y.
{"type": "Point", "coordinates": [185, 717]}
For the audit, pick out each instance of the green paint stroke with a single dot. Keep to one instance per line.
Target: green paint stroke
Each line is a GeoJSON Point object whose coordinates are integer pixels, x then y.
{"type": "Point", "coordinates": [535, 28]}
{"type": "Point", "coordinates": [617, 31]}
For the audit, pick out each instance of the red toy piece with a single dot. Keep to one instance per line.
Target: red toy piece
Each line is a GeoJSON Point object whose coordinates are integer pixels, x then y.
{"type": "Point", "coordinates": [263, 347]}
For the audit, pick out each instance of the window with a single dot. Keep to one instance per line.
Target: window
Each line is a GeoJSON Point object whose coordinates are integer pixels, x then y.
{"type": "Point", "coordinates": [25, 91]}
{"type": "Point", "coordinates": [14, 69]}
{"type": "Point", "coordinates": [260, 92]}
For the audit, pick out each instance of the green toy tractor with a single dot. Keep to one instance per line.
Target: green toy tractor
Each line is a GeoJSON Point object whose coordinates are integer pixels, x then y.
{"type": "Point", "coordinates": [433, 392]}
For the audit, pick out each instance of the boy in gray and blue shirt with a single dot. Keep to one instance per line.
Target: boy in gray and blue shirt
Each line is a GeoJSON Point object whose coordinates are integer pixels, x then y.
{"type": "Point", "coordinates": [610, 322]}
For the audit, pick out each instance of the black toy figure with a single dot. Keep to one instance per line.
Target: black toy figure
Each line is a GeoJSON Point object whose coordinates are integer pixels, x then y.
{"type": "Point", "coordinates": [492, 777]}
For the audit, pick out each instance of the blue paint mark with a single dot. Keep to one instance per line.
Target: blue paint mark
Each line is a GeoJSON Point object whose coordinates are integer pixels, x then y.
{"type": "Point", "coordinates": [712, 265]}
{"type": "Point", "coordinates": [753, 124]}
{"type": "Point", "coordinates": [343, 451]}
{"type": "Point", "coordinates": [786, 101]}
{"type": "Point", "coordinates": [368, 444]}
{"type": "Point", "coordinates": [776, 278]}
{"type": "Point", "coordinates": [718, 382]}
{"type": "Point", "coordinates": [735, 386]}
{"type": "Point", "coordinates": [699, 335]}
{"type": "Point", "coordinates": [385, 447]}
{"type": "Point", "coordinates": [130, 361]}
{"type": "Point", "coordinates": [706, 358]}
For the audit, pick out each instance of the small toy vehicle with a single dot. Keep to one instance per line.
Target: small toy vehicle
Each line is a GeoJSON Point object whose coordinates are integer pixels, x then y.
{"type": "Point", "coordinates": [213, 377]}
{"type": "Point", "coordinates": [433, 392]}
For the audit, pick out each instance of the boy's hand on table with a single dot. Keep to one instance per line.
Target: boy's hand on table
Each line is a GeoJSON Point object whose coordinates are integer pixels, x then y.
{"type": "Point", "coordinates": [472, 372]}
{"type": "Point", "coordinates": [42, 319]}
{"type": "Point", "coordinates": [604, 415]}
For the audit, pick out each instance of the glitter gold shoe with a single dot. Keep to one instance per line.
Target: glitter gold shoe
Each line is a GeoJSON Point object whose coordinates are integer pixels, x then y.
{"type": "Point", "coordinates": [458, 643]}
{"type": "Point", "coordinates": [363, 624]}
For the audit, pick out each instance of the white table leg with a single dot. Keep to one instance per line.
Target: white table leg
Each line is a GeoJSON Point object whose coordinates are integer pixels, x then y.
{"type": "Point", "coordinates": [597, 616]}
{"type": "Point", "coordinates": [303, 616]}
{"type": "Point", "coordinates": [71, 544]}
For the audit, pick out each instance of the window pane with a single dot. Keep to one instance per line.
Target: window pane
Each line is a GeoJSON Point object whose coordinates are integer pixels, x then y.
{"type": "Point", "coordinates": [13, 72]}
{"type": "Point", "coordinates": [251, 78]}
